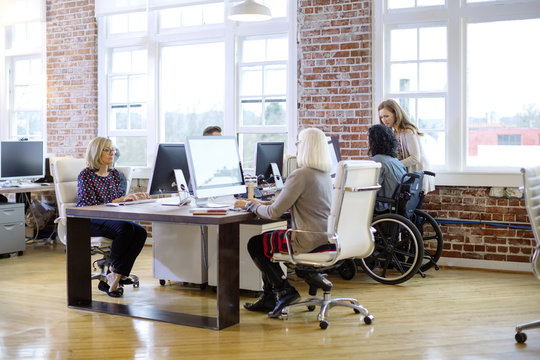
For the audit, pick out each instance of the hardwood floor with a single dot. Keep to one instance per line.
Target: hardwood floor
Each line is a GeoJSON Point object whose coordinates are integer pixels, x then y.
{"type": "Point", "coordinates": [451, 314]}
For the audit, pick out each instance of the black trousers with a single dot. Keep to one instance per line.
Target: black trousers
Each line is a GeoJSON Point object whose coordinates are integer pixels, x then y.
{"type": "Point", "coordinates": [128, 240]}
{"type": "Point", "coordinates": [272, 275]}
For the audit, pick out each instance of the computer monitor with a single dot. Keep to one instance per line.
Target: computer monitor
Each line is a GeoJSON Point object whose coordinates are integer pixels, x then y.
{"type": "Point", "coordinates": [335, 153]}
{"type": "Point", "coordinates": [168, 158]}
{"type": "Point", "coordinates": [214, 166]}
{"type": "Point", "coordinates": [267, 153]}
{"type": "Point", "coordinates": [21, 159]}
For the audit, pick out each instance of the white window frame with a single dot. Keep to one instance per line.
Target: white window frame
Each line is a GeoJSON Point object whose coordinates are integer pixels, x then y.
{"type": "Point", "coordinates": [227, 32]}
{"type": "Point", "coordinates": [8, 126]}
{"type": "Point", "coordinates": [456, 14]}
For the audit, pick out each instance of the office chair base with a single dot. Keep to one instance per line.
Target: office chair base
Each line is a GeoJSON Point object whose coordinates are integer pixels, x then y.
{"type": "Point", "coordinates": [521, 337]}
{"type": "Point", "coordinates": [326, 303]}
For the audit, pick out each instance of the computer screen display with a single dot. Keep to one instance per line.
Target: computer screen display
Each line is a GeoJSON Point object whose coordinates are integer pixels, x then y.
{"type": "Point", "coordinates": [168, 158]}
{"type": "Point", "coordinates": [21, 159]}
{"type": "Point", "coordinates": [267, 153]}
{"type": "Point", "coordinates": [214, 166]}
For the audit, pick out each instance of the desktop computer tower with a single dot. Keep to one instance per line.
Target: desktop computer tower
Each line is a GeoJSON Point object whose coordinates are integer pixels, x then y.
{"type": "Point", "coordinates": [179, 253]}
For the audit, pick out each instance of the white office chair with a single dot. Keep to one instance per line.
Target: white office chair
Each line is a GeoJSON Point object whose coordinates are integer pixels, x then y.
{"type": "Point", "coordinates": [531, 191]}
{"type": "Point", "coordinates": [349, 228]}
{"type": "Point", "coordinates": [65, 172]}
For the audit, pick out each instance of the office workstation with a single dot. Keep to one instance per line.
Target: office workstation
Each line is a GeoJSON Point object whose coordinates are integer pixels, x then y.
{"type": "Point", "coordinates": [214, 170]}
{"type": "Point", "coordinates": [149, 73]}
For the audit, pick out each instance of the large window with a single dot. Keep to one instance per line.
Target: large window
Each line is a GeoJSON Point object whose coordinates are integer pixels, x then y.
{"type": "Point", "coordinates": [22, 104]}
{"type": "Point", "coordinates": [170, 68]}
{"type": "Point", "coordinates": [465, 71]}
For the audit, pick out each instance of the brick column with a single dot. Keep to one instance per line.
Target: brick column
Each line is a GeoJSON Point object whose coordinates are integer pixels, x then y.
{"type": "Point", "coordinates": [334, 70]}
{"type": "Point", "coordinates": [71, 76]}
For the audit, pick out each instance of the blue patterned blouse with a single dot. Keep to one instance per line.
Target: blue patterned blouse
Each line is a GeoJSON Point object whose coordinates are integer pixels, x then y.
{"type": "Point", "coordinates": [94, 189]}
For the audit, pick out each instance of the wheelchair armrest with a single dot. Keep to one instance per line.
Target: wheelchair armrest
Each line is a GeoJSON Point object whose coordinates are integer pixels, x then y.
{"type": "Point", "coordinates": [426, 172]}
{"type": "Point", "coordinates": [385, 199]}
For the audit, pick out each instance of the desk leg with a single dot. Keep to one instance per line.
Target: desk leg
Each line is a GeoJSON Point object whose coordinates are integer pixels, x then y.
{"type": "Point", "coordinates": [79, 290]}
{"type": "Point", "coordinates": [228, 284]}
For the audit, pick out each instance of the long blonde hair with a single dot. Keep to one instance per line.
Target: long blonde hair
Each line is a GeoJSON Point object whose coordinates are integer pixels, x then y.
{"type": "Point", "coordinates": [312, 150]}
{"type": "Point", "coordinates": [94, 150]}
{"type": "Point", "coordinates": [402, 123]}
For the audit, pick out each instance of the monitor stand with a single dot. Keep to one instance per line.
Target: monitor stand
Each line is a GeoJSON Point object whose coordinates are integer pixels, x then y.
{"type": "Point", "coordinates": [277, 176]}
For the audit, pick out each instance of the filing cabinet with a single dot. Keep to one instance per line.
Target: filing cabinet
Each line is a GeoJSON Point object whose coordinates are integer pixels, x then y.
{"type": "Point", "coordinates": [12, 228]}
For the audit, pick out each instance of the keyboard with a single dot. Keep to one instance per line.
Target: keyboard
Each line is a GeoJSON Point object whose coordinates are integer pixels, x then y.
{"type": "Point", "coordinates": [135, 202]}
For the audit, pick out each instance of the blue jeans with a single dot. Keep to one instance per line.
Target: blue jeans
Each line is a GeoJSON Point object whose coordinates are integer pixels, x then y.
{"type": "Point", "coordinates": [128, 240]}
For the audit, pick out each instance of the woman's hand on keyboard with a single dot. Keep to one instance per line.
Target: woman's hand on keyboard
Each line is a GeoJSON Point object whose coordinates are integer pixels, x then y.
{"type": "Point", "coordinates": [135, 196]}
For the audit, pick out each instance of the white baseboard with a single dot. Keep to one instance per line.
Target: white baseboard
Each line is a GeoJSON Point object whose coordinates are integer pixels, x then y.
{"type": "Point", "coordinates": [485, 264]}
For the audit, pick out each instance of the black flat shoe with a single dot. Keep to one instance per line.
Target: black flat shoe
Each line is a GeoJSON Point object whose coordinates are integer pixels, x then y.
{"type": "Point", "coordinates": [265, 304]}
{"type": "Point", "coordinates": [285, 298]}
{"type": "Point", "coordinates": [116, 293]}
{"type": "Point", "coordinates": [103, 286]}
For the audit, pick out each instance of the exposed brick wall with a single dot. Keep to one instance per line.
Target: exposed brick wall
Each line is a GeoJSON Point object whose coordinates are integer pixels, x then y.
{"type": "Point", "coordinates": [334, 70]}
{"type": "Point", "coordinates": [481, 241]}
{"type": "Point", "coordinates": [71, 76]}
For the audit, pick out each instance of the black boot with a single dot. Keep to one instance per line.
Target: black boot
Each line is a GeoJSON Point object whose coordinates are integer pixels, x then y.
{"type": "Point", "coordinates": [266, 303]}
{"type": "Point", "coordinates": [285, 297]}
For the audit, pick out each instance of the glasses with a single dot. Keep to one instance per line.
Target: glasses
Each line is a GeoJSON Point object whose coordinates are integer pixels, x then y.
{"type": "Point", "coordinates": [109, 151]}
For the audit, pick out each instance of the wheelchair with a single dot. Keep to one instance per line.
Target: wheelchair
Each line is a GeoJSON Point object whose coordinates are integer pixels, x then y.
{"type": "Point", "coordinates": [407, 239]}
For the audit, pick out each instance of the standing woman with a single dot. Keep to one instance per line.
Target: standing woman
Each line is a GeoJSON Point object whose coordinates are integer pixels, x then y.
{"type": "Point", "coordinates": [100, 183]}
{"type": "Point", "coordinates": [307, 193]}
{"type": "Point", "coordinates": [410, 150]}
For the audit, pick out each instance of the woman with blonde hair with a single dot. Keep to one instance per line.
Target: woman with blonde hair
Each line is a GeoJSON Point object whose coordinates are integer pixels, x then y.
{"type": "Point", "coordinates": [410, 150]}
{"type": "Point", "coordinates": [100, 183]}
{"type": "Point", "coordinates": [307, 193]}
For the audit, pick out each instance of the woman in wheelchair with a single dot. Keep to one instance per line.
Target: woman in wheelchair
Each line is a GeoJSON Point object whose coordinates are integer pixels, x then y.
{"type": "Point", "coordinates": [100, 183]}
{"type": "Point", "coordinates": [410, 151]}
{"type": "Point", "coordinates": [383, 149]}
{"type": "Point", "coordinates": [307, 193]}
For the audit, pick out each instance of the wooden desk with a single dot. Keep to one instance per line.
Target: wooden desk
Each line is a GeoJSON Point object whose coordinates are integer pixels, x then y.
{"type": "Point", "coordinates": [79, 289]}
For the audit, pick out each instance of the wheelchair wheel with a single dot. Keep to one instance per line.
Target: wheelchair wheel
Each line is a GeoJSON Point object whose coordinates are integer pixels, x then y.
{"type": "Point", "coordinates": [347, 269]}
{"type": "Point", "coordinates": [432, 236]}
{"type": "Point", "coordinates": [398, 250]}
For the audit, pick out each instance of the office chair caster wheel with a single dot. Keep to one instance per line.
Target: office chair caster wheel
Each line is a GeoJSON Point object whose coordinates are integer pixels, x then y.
{"type": "Point", "coordinates": [368, 319]}
{"type": "Point", "coordinates": [162, 282]}
{"type": "Point", "coordinates": [323, 324]}
{"type": "Point", "coordinates": [521, 337]}
{"type": "Point", "coordinates": [348, 269]}
{"type": "Point", "coordinates": [311, 307]}
{"type": "Point", "coordinates": [136, 284]}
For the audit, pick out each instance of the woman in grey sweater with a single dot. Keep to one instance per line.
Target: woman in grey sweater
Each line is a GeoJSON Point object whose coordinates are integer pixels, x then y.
{"type": "Point", "coordinates": [307, 194]}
